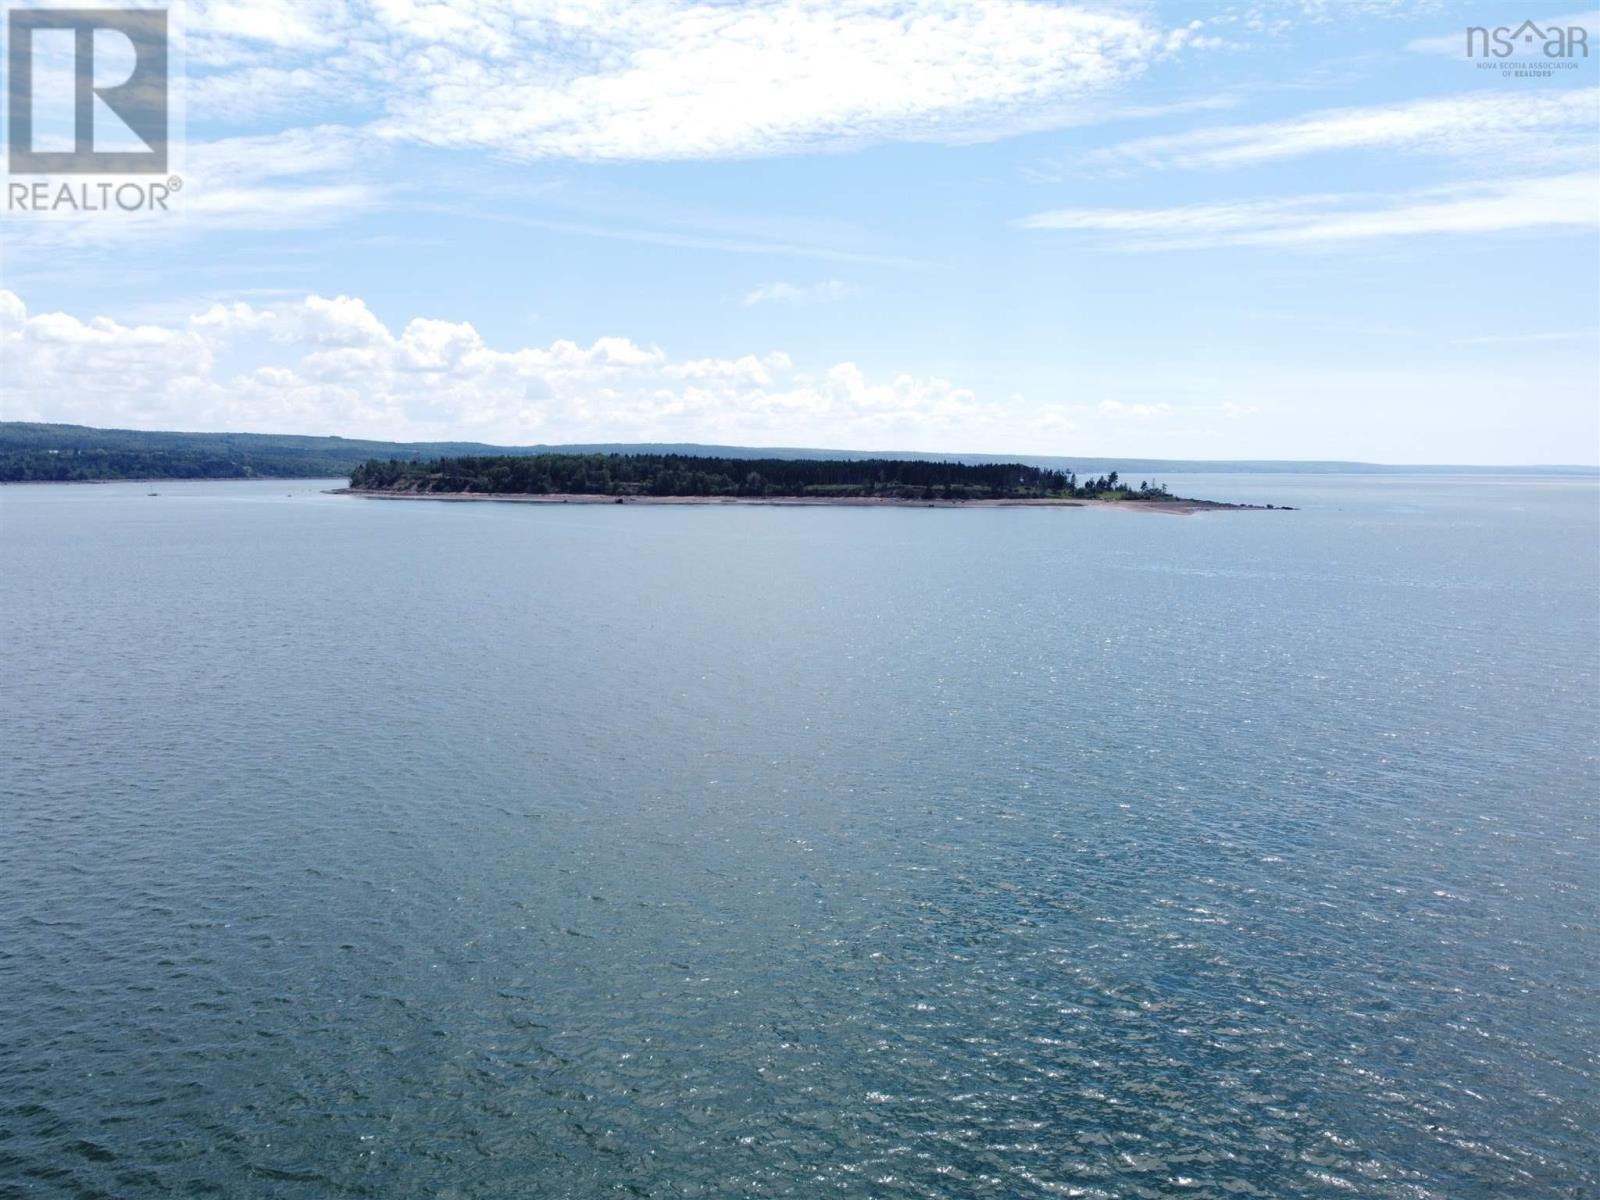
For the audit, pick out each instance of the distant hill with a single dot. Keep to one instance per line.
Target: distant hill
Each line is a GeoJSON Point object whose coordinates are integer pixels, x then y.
{"type": "Point", "coordinates": [38, 452]}
{"type": "Point", "coordinates": [77, 452]}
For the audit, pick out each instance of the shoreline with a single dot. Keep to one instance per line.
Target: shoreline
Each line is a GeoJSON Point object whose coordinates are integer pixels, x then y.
{"type": "Point", "coordinates": [1176, 507]}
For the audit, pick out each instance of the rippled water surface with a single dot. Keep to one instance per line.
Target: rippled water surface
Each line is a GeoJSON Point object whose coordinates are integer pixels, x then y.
{"type": "Point", "coordinates": [420, 849]}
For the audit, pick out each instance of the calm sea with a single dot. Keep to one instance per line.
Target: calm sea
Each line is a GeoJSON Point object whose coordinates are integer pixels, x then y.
{"type": "Point", "coordinates": [363, 848]}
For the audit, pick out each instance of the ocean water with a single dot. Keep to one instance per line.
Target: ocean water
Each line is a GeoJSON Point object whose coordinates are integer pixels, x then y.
{"type": "Point", "coordinates": [364, 848]}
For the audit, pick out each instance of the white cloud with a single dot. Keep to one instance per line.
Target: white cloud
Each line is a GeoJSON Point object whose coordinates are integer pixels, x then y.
{"type": "Point", "coordinates": [221, 30]}
{"type": "Point", "coordinates": [676, 79]}
{"type": "Point", "coordinates": [1487, 128]}
{"type": "Point", "coordinates": [1551, 202]}
{"type": "Point", "coordinates": [610, 81]}
{"type": "Point", "coordinates": [781, 292]}
{"type": "Point", "coordinates": [1277, 17]}
{"type": "Point", "coordinates": [330, 364]}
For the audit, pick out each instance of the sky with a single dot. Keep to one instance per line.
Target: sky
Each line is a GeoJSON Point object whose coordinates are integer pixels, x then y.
{"type": "Point", "coordinates": [1288, 229]}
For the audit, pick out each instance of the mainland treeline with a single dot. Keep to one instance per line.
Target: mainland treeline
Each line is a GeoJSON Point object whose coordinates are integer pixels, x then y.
{"type": "Point", "coordinates": [623, 475]}
{"type": "Point", "coordinates": [31, 452]}
{"type": "Point", "coordinates": [96, 465]}
{"type": "Point", "coordinates": [46, 453]}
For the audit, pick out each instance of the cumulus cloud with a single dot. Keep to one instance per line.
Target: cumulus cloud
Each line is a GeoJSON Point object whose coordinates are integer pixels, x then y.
{"type": "Point", "coordinates": [329, 364]}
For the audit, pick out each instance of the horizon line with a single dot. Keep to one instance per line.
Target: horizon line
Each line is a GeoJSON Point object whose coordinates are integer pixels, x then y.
{"type": "Point", "coordinates": [666, 446]}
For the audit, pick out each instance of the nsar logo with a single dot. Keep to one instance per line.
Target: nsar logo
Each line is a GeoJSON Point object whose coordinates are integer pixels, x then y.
{"type": "Point", "coordinates": [1553, 41]}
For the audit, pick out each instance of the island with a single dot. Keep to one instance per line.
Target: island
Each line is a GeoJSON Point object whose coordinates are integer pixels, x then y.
{"type": "Point", "coordinates": [689, 479]}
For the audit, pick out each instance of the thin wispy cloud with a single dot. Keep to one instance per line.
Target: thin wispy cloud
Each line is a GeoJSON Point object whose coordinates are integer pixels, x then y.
{"type": "Point", "coordinates": [668, 79]}
{"type": "Point", "coordinates": [1543, 336]}
{"type": "Point", "coordinates": [297, 179]}
{"type": "Point", "coordinates": [674, 238]}
{"type": "Point", "coordinates": [798, 293]}
{"type": "Point", "coordinates": [1316, 221]}
{"type": "Point", "coordinates": [1488, 128]}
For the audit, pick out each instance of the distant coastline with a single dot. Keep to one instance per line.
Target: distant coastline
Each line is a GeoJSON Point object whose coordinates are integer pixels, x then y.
{"type": "Point", "coordinates": [31, 452]}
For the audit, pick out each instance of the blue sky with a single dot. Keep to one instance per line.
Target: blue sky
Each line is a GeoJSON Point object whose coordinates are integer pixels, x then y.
{"type": "Point", "coordinates": [1276, 229]}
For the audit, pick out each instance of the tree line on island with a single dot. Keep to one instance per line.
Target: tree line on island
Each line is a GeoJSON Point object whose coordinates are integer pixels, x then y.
{"type": "Point", "coordinates": [624, 475]}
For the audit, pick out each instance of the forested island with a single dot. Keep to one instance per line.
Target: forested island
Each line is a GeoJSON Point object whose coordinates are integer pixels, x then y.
{"type": "Point", "coordinates": [677, 477]}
